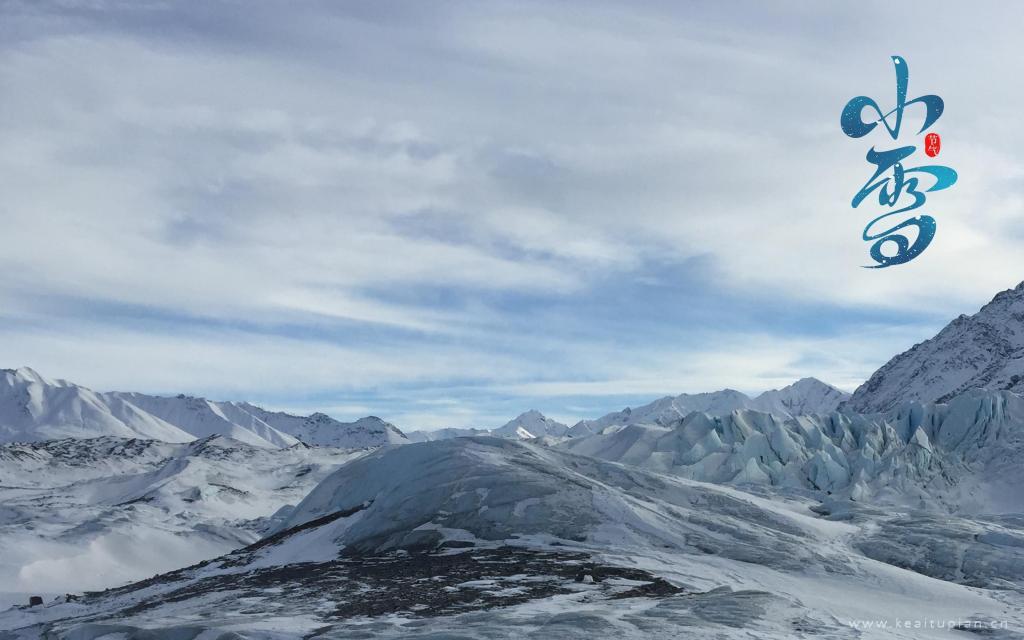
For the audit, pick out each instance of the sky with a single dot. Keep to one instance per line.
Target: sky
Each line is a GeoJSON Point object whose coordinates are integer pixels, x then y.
{"type": "Point", "coordinates": [447, 213]}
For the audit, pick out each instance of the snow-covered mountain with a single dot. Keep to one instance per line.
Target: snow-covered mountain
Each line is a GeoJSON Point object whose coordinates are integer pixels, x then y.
{"type": "Point", "coordinates": [202, 418]}
{"type": "Point", "coordinates": [34, 408]}
{"type": "Point", "coordinates": [985, 350]}
{"type": "Point", "coordinates": [501, 539]}
{"type": "Point", "coordinates": [321, 430]}
{"type": "Point", "coordinates": [531, 424]}
{"type": "Point", "coordinates": [806, 396]}
{"type": "Point", "coordinates": [526, 426]}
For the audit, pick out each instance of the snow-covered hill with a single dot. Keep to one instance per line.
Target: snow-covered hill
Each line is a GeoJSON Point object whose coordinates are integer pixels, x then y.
{"type": "Point", "coordinates": [500, 539]}
{"type": "Point", "coordinates": [985, 350]}
{"type": "Point", "coordinates": [94, 513]}
{"type": "Point", "coordinates": [806, 396]}
{"type": "Point", "coordinates": [34, 408]}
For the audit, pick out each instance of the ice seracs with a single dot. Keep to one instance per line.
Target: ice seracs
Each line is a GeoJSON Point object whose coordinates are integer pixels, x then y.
{"type": "Point", "coordinates": [956, 456]}
{"type": "Point", "coordinates": [985, 350]}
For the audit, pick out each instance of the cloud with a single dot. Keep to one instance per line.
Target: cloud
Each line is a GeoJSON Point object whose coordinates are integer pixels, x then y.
{"type": "Point", "coordinates": [533, 201]}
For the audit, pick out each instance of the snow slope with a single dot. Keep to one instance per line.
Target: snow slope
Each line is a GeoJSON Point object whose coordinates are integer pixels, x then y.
{"type": "Point", "coordinates": [202, 418]}
{"type": "Point", "coordinates": [806, 396]}
{"type": "Point", "coordinates": [95, 513]}
{"type": "Point", "coordinates": [496, 538]}
{"type": "Point", "coordinates": [985, 350]}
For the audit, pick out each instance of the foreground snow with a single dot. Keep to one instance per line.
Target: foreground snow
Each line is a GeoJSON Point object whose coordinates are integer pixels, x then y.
{"type": "Point", "coordinates": [493, 538]}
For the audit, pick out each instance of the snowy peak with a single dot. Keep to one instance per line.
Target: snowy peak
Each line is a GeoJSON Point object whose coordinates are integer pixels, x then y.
{"type": "Point", "coordinates": [804, 397]}
{"type": "Point", "coordinates": [24, 375]}
{"type": "Point", "coordinates": [531, 424]}
{"type": "Point", "coordinates": [985, 351]}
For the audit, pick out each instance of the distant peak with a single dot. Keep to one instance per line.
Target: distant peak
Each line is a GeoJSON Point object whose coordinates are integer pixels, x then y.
{"type": "Point", "coordinates": [532, 413]}
{"type": "Point", "coordinates": [811, 381]}
{"type": "Point", "coordinates": [27, 374]}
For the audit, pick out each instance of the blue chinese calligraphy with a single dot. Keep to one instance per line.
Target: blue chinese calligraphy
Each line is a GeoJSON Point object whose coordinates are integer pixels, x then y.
{"type": "Point", "coordinates": [898, 187]}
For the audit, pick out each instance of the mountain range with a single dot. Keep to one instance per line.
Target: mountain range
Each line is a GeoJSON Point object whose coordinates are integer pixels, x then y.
{"type": "Point", "coordinates": [34, 408]}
